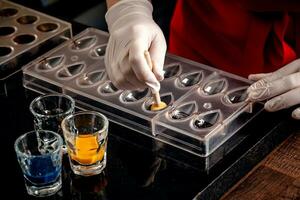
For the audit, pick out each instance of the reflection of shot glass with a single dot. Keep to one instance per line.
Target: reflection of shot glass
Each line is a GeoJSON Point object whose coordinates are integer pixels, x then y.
{"type": "Point", "coordinates": [40, 157]}
{"type": "Point", "coordinates": [50, 109]}
{"type": "Point", "coordinates": [86, 139]}
{"type": "Point", "coordinates": [88, 187]}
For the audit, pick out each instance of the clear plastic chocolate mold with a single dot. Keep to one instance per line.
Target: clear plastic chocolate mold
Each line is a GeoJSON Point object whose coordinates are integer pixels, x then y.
{"type": "Point", "coordinates": [172, 70]}
{"type": "Point", "coordinates": [91, 78]}
{"type": "Point", "coordinates": [84, 43]}
{"type": "Point", "coordinates": [214, 87]}
{"type": "Point", "coordinates": [205, 106]}
{"type": "Point", "coordinates": [129, 96]}
{"type": "Point", "coordinates": [8, 12]}
{"type": "Point", "coordinates": [206, 120]}
{"type": "Point", "coordinates": [49, 64]}
{"type": "Point", "coordinates": [27, 19]}
{"type": "Point", "coordinates": [190, 79]}
{"type": "Point", "coordinates": [7, 30]}
{"type": "Point", "coordinates": [28, 34]}
{"type": "Point", "coordinates": [183, 112]}
{"type": "Point", "coordinates": [70, 71]}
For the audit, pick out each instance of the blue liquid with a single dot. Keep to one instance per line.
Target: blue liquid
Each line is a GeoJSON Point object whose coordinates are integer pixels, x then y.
{"type": "Point", "coordinates": [43, 171]}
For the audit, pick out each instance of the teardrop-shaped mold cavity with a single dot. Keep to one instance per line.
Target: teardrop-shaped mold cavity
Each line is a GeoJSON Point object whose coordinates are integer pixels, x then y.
{"type": "Point", "coordinates": [167, 98]}
{"type": "Point", "coordinates": [8, 12]}
{"type": "Point", "coordinates": [92, 78]}
{"type": "Point", "coordinates": [51, 63]}
{"type": "Point", "coordinates": [84, 43]}
{"type": "Point", "coordinates": [183, 111]}
{"type": "Point", "coordinates": [98, 51]}
{"type": "Point", "coordinates": [214, 87]}
{"type": "Point", "coordinates": [71, 70]}
{"type": "Point", "coordinates": [206, 120]}
{"type": "Point", "coordinates": [172, 70]}
{"type": "Point", "coordinates": [27, 19]}
{"type": "Point", "coordinates": [187, 80]}
{"type": "Point", "coordinates": [130, 96]}
{"type": "Point", "coordinates": [236, 96]}
{"type": "Point", "coordinates": [108, 88]}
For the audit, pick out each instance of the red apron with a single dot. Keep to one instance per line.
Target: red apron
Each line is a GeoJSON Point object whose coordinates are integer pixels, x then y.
{"type": "Point", "coordinates": [225, 35]}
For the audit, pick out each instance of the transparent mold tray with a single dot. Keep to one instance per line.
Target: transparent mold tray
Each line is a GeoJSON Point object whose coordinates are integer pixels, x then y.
{"type": "Point", "coordinates": [25, 34]}
{"type": "Point", "coordinates": [206, 106]}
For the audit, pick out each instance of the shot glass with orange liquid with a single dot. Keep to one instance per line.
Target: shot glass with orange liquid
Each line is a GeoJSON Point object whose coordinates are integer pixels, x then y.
{"type": "Point", "coordinates": [85, 135]}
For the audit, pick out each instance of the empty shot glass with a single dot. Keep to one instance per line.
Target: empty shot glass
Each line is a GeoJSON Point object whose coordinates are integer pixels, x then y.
{"type": "Point", "coordinates": [49, 110]}
{"type": "Point", "coordinates": [39, 154]}
{"type": "Point", "coordinates": [85, 134]}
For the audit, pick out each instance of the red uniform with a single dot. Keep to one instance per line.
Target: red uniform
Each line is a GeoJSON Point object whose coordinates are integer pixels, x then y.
{"type": "Point", "coordinates": [224, 34]}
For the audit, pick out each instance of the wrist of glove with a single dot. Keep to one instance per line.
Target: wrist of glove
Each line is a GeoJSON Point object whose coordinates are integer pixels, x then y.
{"type": "Point", "coordinates": [132, 32]}
{"type": "Point", "coordinates": [281, 88]}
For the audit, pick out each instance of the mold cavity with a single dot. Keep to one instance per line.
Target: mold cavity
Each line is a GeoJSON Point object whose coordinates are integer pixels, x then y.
{"type": "Point", "coordinates": [47, 27]}
{"type": "Point", "coordinates": [133, 96]}
{"type": "Point", "coordinates": [171, 70]}
{"type": "Point", "coordinates": [236, 96]}
{"type": "Point", "coordinates": [99, 51]}
{"type": "Point", "coordinates": [8, 12]}
{"type": "Point", "coordinates": [24, 39]}
{"type": "Point", "coordinates": [214, 87]}
{"type": "Point", "coordinates": [108, 88]}
{"type": "Point", "coordinates": [84, 43]}
{"type": "Point", "coordinates": [4, 51]}
{"type": "Point", "coordinates": [206, 120]}
{"type": "Point", "coordinates": [71, 70]}
{"type": "Point", "coordinates": [6, 30]}
{"type": "Point", "coordinates": [51, 63]}
{"type": "Point", "coordinates": [191, 79]}
{"type": "Point", "coordinates": [27, 19]}
{"type": "Point", "coordinates": [91, 78]}
{"type": "Point", "coordinates": [167, 98]}
{"type": "Point", "coordinates": [183, 111]}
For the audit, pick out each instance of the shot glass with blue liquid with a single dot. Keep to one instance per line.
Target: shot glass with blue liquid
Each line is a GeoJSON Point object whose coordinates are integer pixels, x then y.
{"type": "Point", "coordinates": [39, 154]}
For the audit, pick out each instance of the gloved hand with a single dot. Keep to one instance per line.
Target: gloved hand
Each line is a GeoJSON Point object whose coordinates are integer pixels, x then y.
{"type": "Point", "coordinates": [281, 87]}
{"type": "Point", "coordinates": [132, 32]}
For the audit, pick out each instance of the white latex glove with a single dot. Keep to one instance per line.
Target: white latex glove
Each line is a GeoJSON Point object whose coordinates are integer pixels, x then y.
{"type": "Point", "coordinates": [132, 32]}
{"type": "Point", "coordinates": [281, 87]}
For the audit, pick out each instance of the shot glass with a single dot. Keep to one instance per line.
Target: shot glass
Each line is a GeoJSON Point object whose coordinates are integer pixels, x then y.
{"type": "Point", "coordinates": [49, 110]}
{"type": "Point", "coordinates": [39, 154]}
{"type": "Point", "coordinates": [85, 134]}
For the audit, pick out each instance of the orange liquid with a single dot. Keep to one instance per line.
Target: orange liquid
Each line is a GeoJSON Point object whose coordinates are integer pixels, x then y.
{"type": "Point", "coordinates": [87, 150]}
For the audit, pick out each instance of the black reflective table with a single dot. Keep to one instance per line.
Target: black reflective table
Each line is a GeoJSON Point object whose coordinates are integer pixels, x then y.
{"type": "Point", "coordinates": [138, 167]}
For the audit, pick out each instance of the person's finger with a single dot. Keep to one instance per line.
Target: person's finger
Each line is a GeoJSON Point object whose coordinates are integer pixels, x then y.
{"type": "Point", "coordinates": [139, 65]}
{"type": "Point", "coordinates": [119, 80]}
{"type": "Point", "coordinates": [157, 52]}
{"type": "Point", "coordinates": [256, 77]}
{"type": "Point", "coordinates": [264, 89]}
{"type": "Point", "coordinates": [283, 101]}
{"type": "Point", "coordinates": [290, 68]}
{"type": "Point", "coordinates": [296, 113]}
{"type": "Point", "coordinates": [129, 75]}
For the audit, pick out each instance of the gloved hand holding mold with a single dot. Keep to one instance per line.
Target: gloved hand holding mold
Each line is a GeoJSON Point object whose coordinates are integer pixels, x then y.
{"type": "Point", "coordinates": [281, 88]}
